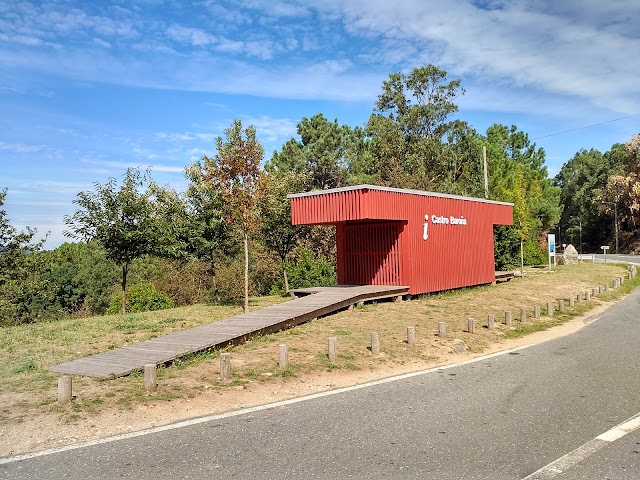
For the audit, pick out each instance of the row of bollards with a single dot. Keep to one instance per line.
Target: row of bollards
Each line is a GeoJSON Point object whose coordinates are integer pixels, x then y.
{"type": "Point", "coordinates": [65, 383]}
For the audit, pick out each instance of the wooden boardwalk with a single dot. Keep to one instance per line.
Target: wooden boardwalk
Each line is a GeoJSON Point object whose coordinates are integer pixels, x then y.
{"type": "Point", "coordinates": [164, 349]}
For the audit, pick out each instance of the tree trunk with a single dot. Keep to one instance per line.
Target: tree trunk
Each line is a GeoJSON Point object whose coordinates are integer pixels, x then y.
{"type": "Point", "coordinates": [521, 258]}
{"type": "Point", "coordinates": [125, 271]}
{"type": "Point", "coordinates": [286, 279]}
{"type": "Point", "coordinates": [246, 273]}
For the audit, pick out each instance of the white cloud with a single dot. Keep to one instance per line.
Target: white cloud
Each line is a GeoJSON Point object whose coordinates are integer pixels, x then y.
{"type": "Point", "coordinates": [21, 148]}
{"type": "Point", "coordinates": [141, 165]}
{"type": "Point", "coordinates": [562, 47]}
{"type": "Point", "coordinates": [193, 36]}
{"type": "Point", "coordinates": [101, 43]}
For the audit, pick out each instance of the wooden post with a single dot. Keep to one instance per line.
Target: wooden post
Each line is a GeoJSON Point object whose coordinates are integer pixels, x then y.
{"type": "Point", "coordinates": [471, 325]}
{"type": "Point", "coordinates": [523, 314]}
{"type": "Point", "coordinates": [150, 377]}
{"type": "Point", "coordinates": [442, 329]}
{"type": "Point", "coordinates": [283, 356]}
{"type": "Point", "coordinates": [64, 389]}
{"type": "Point", "coordinates": [599, 289]}
{"type": "Point", "coordinates": [561, 305]}
{"type": "Point", "coordinates": [579, 297]}
{"type": "Point", "coordinates": [550, 309]}
{"type": "Point", "coordinates": [225, 366]}
{"type": "Point", "coordinates": [587, 295]}
{"type": "Point", "coordinates": [606, 287]}
{"type": "Point", "coordinates": [572, 301]}
{"type": "Point", "coordinates": [507, 319]}
{"type": "Point", "coordinates": [375, 343]}
{"type": "Point", "coordinates": [621, 279]}
{"type": "Point", "coordinates": [536, 311]}
{"type": "Point", "coordinates": [333, 349]}
{"type": "Point", "coordinates": [491, 320]}
{"type": "Point", "coordinates": [593, 292]}
{"type": "Point", "coordinates": [411, 335]}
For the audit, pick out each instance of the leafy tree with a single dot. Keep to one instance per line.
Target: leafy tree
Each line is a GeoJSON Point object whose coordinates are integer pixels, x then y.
{"type": "Point", "coordinates": [278, 233]}
{"type": "Point", "coordinates": [210, 235]}
{"type": "Point", "coordinates": [517, 174]}
{"type": "Point", "coordinates": [582, 181]}
{"type": "Point", "coordinates": [81, 276]}
{"type": "Point", "coordinates": [121, 219]}
{"type": "Point", "coordinates": [409, 128]}
{"type": "Point", "coordinates": [235, 173]}
{"type": "Point", "coordinates": [623, 187]}
{"type": "Point", "coordinates": [24, 293]}
{"type": "Point", "coordinates": [321, 153]}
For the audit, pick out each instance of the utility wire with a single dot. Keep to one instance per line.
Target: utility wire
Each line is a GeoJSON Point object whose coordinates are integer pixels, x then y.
{"type": "Point", "coordinates": [588, 126]}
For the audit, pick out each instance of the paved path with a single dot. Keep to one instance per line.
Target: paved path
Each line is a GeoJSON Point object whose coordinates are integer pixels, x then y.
{"type": "Point", "coordinates": [160, 350]}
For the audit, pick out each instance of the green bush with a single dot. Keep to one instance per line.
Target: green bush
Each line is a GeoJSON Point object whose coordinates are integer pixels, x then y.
{"type": "Point", "coordinates": [141, 297]}
{"type": "Point", "coordinates": [308, 270]}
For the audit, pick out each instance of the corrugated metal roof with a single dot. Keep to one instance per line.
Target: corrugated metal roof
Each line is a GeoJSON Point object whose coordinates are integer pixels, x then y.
{"type": "Point", "coordinates": [395, 190]}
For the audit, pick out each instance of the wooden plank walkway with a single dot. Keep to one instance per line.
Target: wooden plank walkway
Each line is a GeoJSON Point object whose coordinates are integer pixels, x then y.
{"type": "Point", "coordinates": [164, 349]}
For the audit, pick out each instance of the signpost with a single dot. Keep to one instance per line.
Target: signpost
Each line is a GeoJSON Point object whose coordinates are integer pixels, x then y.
{"type": "Point", "coordinates": [604, 249]}
{"type": "Point", "coordinates": [551, 241]}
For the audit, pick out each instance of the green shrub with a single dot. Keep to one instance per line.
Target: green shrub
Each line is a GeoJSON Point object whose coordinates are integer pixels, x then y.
{"type": "Point", "coordinates": [141, 297]}
{"type": "Point", "coordinates": [308, 270]}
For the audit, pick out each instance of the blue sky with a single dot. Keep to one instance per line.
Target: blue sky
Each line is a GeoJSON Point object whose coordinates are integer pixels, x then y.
{"type": "Point", "coordinates": [90, 88]}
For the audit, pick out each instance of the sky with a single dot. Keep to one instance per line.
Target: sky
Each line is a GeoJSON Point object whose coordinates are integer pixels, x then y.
{"type": "Point", "coordinates": [89, 88]}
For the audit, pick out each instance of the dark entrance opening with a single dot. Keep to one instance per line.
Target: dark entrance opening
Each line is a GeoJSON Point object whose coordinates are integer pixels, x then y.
{"type": "Point", "coordinates": [372, 253]}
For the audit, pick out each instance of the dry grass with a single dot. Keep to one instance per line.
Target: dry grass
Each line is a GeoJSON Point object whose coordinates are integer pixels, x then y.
{"type": "Point", "coordinates": [27, 351]}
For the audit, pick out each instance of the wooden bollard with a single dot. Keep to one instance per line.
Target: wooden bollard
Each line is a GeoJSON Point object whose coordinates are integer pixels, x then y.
{"type": "Point", "coordinates": [572, 301]}
{"type": "Point", "coordinates": [561, 305]}
{"type": "Point", "coordinates": [375, 343]}
{"type": "Point", "coordinates": [621, 279]}
{"type": "Point", "coordinates": [507, 319]}
{"type": "Point", "coordinates": [411, 335]}
{"type": "Point", "coordinates": [64, 389]}
{"type": "Point", "coordinates": [606, 287]}
{"type": "Point", "coordinates": [587, 296]}
{"type": "Point", "coordinates": [536, 311]}
{"type": "Point", "coordinates": [593, 292]}
{"type": "Point", "coordinates": [550, 309]}
{"type": "Point", "coordinates": [150, 377]}
{"type": "Point", "coordinates": [283, 356]}
{"type": "Point", "coordinates": [225, 366]}
{"type": "Point", "coordinates": [442, 329]}
{"type": "Point", "coordinates": [523, 314]}
{"type": "Point", "coordinates": [333, 349]}
{"type": "Point", "coordinates": [491, 320]}
{"type": "Point", "coordinates": [471, 325]}
{"type": "Point", "coordinates": [579, 297]}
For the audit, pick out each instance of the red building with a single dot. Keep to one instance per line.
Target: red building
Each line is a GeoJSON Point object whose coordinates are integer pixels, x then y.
{"type": "Point", "coordinates": [389, 236]}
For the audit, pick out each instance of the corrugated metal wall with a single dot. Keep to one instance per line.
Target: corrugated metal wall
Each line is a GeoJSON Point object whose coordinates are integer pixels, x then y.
{"type": "Point", "coordinates": [457, 252]}
{"type": "Point", "coordinates": [372, 254]}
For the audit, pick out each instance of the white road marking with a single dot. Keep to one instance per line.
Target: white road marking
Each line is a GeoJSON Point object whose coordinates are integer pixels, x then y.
{"type": "Point", "coordinates": [244, 411]}
{"type": "Point", "coordinates": [584, 451]}
{"type": "Point", "coordinates": [258, 408]}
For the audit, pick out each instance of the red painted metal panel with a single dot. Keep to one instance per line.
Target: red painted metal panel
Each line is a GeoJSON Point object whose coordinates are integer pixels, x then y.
{"type": "Point", "coordinates": [380, 236]}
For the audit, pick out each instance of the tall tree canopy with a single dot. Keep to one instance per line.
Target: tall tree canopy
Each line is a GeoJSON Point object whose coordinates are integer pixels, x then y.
{"type": "Point", "coordinates": [120, 218]}
{"type": "Point", "coordinates": [23, 291]}
{"type": "Point", "coordinates": [321, 153]}
{"type": "Point", "coordinates": [410, 129]}
{"type": "Point", "coordinates": [235, 173]}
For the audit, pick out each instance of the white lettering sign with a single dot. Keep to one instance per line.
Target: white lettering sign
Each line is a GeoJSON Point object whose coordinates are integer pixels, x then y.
{"type": "Point", "coordinates": [441, 220]}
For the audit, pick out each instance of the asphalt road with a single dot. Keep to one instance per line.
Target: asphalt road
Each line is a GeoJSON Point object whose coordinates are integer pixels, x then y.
{"type": "Point", "coordinates": [503, 417]}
